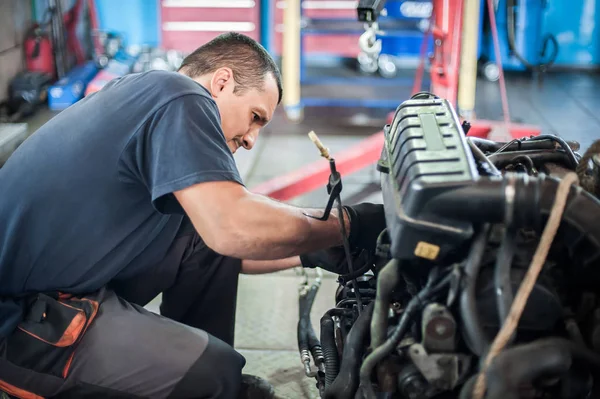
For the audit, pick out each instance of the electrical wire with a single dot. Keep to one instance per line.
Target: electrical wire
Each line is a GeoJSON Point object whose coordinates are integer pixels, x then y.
{"type": "Point", "coordinates": [505, 146]}
{"type": "Point", "coordinates": [537, 262]}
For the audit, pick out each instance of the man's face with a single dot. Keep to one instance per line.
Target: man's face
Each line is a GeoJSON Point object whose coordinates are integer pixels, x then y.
{"type": "Point", "coordinates": [244, 113]}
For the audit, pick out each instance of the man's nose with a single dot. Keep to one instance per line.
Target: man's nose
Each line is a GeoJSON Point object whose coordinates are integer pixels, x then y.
{"type": "Point", "coordinates": [249, 140]}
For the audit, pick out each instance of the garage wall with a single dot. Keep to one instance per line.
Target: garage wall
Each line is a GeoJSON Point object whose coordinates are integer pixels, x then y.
{"type": "Point", "coordinates": [14, 20]}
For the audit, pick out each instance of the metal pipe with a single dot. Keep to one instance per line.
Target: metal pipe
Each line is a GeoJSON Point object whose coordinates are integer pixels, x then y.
{"type": "Point", "coordinates": [467, 76]}
{"type": "Point", "coordinates": [291, 59]}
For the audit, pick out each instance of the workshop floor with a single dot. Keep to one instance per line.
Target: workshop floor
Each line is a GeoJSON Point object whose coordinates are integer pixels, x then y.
{"type": "Point", "coordinates": [566, 104]}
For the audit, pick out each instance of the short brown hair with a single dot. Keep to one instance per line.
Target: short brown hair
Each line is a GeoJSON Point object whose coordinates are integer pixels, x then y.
{"type": "Point", "coordinates": [248, 60]}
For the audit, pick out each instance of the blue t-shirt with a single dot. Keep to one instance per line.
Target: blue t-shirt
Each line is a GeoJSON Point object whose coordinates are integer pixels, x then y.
{"type": "Point", "coordinates": [88, 197]}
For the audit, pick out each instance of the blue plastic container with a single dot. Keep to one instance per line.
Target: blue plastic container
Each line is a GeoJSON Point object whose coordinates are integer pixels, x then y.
{"type": "Point", "coordinates": [70, 89]}
{"type": "Point", "coordinates": [529, 17]}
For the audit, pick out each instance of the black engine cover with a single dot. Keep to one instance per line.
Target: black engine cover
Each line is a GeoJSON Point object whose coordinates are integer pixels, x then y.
{"type": "Point", "coordinates": [425, 154]}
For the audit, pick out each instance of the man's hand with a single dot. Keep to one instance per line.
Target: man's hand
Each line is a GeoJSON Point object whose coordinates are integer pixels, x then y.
{"type": "Point", "coordinates": [334, 260]}
{"type": "Point", "coordinates": [367, 221]}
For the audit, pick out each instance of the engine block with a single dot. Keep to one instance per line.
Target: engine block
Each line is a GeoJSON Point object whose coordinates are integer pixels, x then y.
{"type": "Point", "coordinates": [425, 154]}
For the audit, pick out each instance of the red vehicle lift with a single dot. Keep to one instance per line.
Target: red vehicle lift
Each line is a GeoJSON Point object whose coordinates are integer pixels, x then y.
{"type": "Point", "coordinates": [447, 19]}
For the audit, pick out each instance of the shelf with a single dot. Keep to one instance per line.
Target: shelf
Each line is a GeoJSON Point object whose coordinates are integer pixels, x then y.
{"type": "Point", "coordinates": [333, 26]}
{"type": "Point", "coordinates": [366, 92]}
{"type": "Point", "coordinates": [350, 102]}
{"type": "Point", "coordinates": [345, 73]}
{"type": "Point", "coordinates": [386, 33]}
{"type": "Point", "coordinates": [375, 80]}
{"type": "Point", "coordinates": [342, 84]}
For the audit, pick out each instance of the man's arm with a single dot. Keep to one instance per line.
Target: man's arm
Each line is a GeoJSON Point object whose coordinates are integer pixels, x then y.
{"type": "Point", "coordinates": [235, 222]}
{"type": "Point", "coordinates": [269, 266]}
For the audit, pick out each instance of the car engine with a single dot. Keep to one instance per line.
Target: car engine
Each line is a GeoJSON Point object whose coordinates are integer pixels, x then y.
{"type": "Point", "coordinates": [486, 281]}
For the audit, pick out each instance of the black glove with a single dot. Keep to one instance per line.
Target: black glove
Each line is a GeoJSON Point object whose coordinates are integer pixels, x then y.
{"type": "Point", "coordinates": [367, 221]}
{"type": "Point", "coordinates": [334, 260]}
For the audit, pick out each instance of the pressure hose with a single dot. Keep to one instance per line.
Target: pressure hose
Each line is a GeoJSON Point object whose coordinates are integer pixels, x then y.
{"type": "Point", "coordinates": [330, 351]}
{"type": "Point", "coordinates": [346, 382]}
{"type": "Point", "coordinates": [472, 328]}
{"type": "Point", "coordinates": [502, 281]}
{"type": "Point", "coordinates": [308, 343]}
{"type": "Point", "coordinates": [387, 280]}
{"type": "Point", "coordinates": [433, 287]}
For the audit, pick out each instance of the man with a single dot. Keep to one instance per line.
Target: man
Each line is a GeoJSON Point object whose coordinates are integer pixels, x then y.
{"type": "Point", "coordinates": [132, 192]}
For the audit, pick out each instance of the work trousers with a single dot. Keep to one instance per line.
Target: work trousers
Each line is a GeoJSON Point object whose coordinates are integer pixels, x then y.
{"type": "Point", "coordinates": [105, 344]}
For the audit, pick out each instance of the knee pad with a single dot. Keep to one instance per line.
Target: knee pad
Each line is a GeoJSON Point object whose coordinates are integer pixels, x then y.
{"type": "Point", "coordinates": [216, 374]}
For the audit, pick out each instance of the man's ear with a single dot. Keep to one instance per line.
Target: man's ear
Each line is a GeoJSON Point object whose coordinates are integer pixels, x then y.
{"type": "Point", "coordinates": [222, 81]}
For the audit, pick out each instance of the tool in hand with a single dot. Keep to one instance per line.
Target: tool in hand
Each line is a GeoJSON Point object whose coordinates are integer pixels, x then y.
{"type": "Point", "coordinates": [334, 188]}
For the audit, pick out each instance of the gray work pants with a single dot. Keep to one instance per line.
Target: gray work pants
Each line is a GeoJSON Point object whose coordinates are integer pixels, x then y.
{"type": "Point", "coordinates": [106, 344]}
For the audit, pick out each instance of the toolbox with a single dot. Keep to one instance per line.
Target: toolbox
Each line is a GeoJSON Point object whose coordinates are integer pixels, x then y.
{"type": "Point", "coordinates": [70, 89]}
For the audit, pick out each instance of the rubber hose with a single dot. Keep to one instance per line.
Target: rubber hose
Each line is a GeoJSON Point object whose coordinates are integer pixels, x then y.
{"type": "Point", "coordinates": [482, 157]}
{"type": "Point", "coordinates": [485, 201]}
{"type": "Point", "coordinates": [528, 161]}
{"type": "Point", "coordinates": [313, 341]}
{"type": "Point", "coordinates": [511, 29]}
{"type": "Point", "coordinates": [518, 145]}
{"type": "Point", "coordinates": [386, 282]}
{"type": "Point", "coordinates": [524, 364]}
{"type": "Point", "coordinates": [302, 335]}
{"type": "Point", "coordinates": [502, 281]}
{"type": "Point", "coordinates": [413, 307]}
{"type": "Point", "coordinates": [472, 329]}
{"type": "Point", "coordinates": [538, 157]}
{"type": "Point", "coordinates": [347, 380]}
{"type": "Point", "coordinates": [467, 389]}
{"type": "Point", "coordinates": [330, 352]}
{"type": "Point", "coordinates": [565, 146]}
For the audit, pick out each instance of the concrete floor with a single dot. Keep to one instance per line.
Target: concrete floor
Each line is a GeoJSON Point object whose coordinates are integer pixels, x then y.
{"type": "Point", "coordinates": [564, 104]}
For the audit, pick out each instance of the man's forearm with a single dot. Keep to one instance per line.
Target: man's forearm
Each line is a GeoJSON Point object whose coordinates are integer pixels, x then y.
{"type": "Point", "coordinates": [266, 229]}
{"type": "Point", "coordinates": [269, 266]}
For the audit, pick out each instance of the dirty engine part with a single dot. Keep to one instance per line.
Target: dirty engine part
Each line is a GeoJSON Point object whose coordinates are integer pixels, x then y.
{"type": "Point", "coordinates": [465, 218]}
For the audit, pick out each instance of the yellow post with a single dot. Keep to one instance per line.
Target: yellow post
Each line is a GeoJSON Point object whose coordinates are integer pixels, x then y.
{"type": "Point", "coordinates": [467, 77]}
{"type": "Point", "coordinates": [291, 60]}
